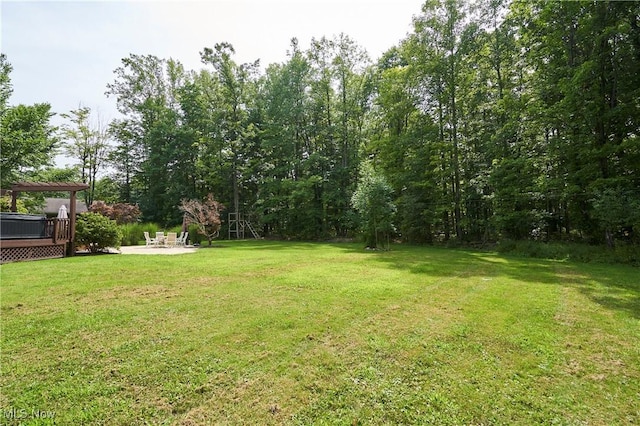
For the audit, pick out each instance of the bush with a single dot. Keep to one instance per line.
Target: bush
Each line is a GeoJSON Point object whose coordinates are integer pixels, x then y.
{"type": "Point", "coordinates": [5, 205]}
{"type": "Point", "coordinates": [97, 232]}
{"type": "Point", "coordinates": [132, 233]}
{"type": "Point", "coordinates": [194, 236]}
{"type": "Point", "coordinates": [622, 253]}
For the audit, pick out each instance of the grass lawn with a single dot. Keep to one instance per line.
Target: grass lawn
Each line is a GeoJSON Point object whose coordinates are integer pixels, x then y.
{"type": "Point", "coordinates": [300, 333]}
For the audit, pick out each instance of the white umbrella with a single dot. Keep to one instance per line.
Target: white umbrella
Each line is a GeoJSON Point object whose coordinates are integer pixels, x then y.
{"type": "Point", "coordinates": [62, 212]}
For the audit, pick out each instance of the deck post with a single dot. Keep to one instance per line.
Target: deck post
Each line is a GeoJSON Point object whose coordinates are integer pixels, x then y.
{"type": "Point", "coordinates": [14, 204]}
{"type": "Point", "coordinates": [71, 248]}
{"type": "Point", "coordinates": [56, 230]}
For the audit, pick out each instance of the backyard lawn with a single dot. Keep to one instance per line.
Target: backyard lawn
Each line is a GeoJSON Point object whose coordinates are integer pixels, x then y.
{"type": "Point", "coordinates": [300, 333]}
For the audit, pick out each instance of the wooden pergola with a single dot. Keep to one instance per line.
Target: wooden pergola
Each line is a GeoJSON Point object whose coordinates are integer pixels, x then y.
{"type": "Point", "coordinates": [62, 234]}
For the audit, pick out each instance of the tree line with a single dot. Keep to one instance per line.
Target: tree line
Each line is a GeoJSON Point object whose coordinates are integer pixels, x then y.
{"type": "Point", "coordinates": [492, 119]}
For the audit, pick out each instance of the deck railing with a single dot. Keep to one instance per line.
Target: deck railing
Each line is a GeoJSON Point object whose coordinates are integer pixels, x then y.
{"type": "Point", "coordinates": [47, 240]}
{"type": "Point", "coordinates": [59, 230]}
{"type": "Point", "coordinates": [53, 229]}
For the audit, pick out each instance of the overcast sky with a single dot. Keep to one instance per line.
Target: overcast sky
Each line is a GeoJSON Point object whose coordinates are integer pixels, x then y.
{"type": "Point", "coordinates": [64, 53]}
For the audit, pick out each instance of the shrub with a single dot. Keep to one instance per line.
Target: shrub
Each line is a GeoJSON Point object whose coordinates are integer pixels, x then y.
{"type": "Point", "coordinates": [194, 236]}
{"type": "Point", "coordinates": [97, 232]}
{"type": "Point", "coordinates": [623, 253]}
{"type": "Point", "coordinates": [132, 233]}
{"type": "Point", "coordinates": [5, 205]}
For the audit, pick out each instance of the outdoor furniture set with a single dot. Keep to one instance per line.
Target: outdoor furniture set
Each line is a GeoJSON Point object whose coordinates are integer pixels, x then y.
{"type": "Point", "coordinates": [171, 239]}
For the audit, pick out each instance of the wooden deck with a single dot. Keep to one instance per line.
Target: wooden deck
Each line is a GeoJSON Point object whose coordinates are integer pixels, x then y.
{"type": "Point", "coordinates": [58, 237]}
{"type": "Point", "coordinates": [52, 245]}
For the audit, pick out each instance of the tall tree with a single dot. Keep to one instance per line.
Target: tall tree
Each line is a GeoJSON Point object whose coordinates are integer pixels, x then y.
{"type": "Point", "coordinates": [286, 141]}
{"type": "Point", "coordinates": [86, 142]}
{"type": "Point", "coordinates": [405, 146]}
{"type": "Point", "coordinates": [236, 84]}
{"type": "Point", "coordinates": [585, 57]}
{"type": "Point", "coordinates": [148, 94]}
{"type": "Point", "coordinates": [28, 142]}
{"type": "Point", "coordinates": [125, 157]}
{"type": "Point", "coordinates": [435, 45]}
{"type": "Point", "coordinates": [5, 82]}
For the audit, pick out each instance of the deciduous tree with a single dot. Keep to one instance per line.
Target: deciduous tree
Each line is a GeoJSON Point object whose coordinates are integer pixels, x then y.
{"type": "Point", "coordinates": [86, 141]}
{"type": "Point", "coordinates": [28, 142]}
{"type": "Point", "coordinates": [204, 214]}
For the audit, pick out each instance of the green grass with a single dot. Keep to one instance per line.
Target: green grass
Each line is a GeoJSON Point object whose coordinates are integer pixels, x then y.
{"type": "Point", "coordinates": [297, 333]}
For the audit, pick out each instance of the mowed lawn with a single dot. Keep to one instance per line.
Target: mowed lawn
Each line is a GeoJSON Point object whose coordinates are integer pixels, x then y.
{"type": "Point", "coordinates": [301, 333]}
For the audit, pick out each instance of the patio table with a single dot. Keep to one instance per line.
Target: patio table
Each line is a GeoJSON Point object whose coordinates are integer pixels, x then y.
{"type": "Point", "coordinates": [161, 238]}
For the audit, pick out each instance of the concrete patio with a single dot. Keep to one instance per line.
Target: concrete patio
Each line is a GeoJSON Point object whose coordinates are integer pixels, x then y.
{"type": "Point", "coordinates": [156, 250]}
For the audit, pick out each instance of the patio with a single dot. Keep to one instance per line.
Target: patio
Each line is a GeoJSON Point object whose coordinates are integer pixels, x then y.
{"type": "Point", "coordinates": [155, 250]}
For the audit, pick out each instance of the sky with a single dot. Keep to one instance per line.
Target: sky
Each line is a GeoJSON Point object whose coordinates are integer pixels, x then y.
{"type": "Point", "coordinates": [65, 52]}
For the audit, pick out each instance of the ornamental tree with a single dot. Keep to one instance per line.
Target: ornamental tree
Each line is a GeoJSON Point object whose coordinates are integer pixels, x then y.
{"type": "Point", "coordinates": [120, 212]}
{"type": "Point", "coordinates": [205, 215]}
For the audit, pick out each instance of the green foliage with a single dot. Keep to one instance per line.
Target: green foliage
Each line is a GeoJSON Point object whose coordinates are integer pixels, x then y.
{"type": "Point", "coordinates": [96, 232]}
{"type": "Point", "coordinates": [87, 144]}
{"type": "Point", "coordinates": [618, 211]}
{"type": "Point", "coordinates": [489, 121]}
{"type": "Point", "coordinates": [5, 82]}
{"type": "Point", "coordinates": [623, 253]}
{"type": "Point", "coordinates": [54, 174]}
{"type": "Point", "coordinates": [27, 142]}
{"type": "Point", "coordinates": [132, 234]}
{"type": "Point", "coordinates": [5, 205]}
{"type": "Point", "coordinates": [194, 236]}
{"type": "Point", "coordinates": [156, 154]}
{"type": "Point", "coordinates": [108, 189]}
{"type": "Point", "coordinates": [372, 199]}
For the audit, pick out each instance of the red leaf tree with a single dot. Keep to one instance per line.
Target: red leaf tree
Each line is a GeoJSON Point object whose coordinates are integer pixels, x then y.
{"type": "Point", "coordinates": [120, 212]}
{"type": "Point", "coordinates": [204, 214]}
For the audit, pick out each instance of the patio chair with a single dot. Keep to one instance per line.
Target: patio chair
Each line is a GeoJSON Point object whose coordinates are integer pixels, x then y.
{"type": "Point", "coordinates": [182, 239]}
{"type": "Point", "coordinates": [150, 241]}
{"type": "Point", "coordinates": [171, 239]}
{"type": "Point", "coordinates": [160, 240]}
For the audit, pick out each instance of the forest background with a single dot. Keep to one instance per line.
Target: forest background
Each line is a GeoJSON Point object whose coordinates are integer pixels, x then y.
{"type": "Point", "coordinates": [491, 120]}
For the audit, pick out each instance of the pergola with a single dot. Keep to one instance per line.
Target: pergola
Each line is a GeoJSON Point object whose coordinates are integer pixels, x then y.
{"type": "Point", "coordinates": [71, 187]}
